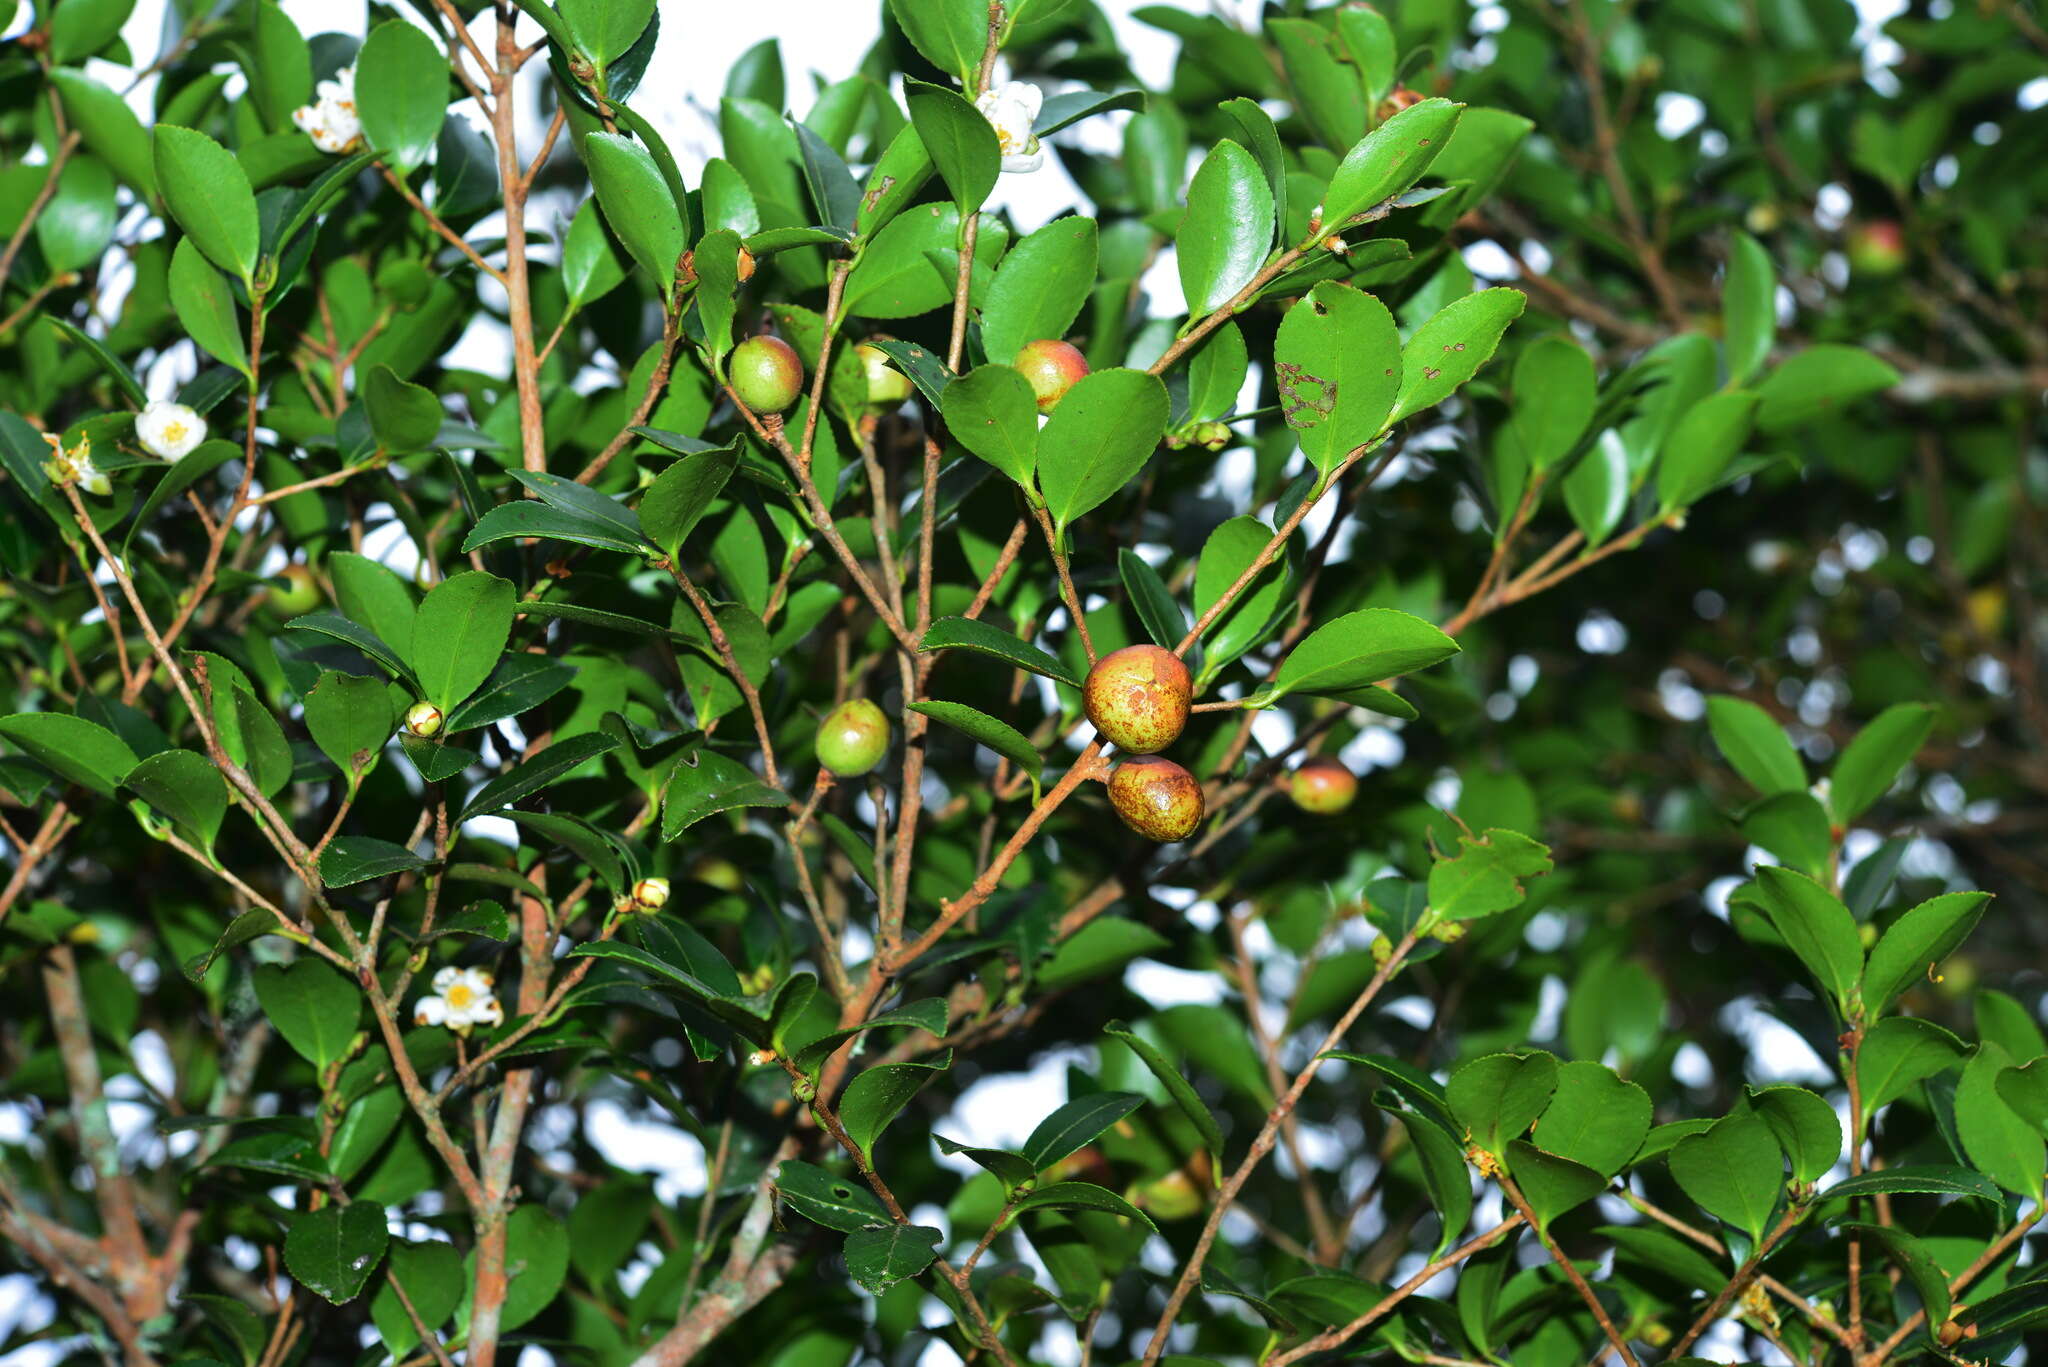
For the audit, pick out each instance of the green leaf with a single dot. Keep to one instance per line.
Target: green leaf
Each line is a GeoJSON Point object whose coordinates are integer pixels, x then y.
{"type": "Point", "coordinates": [1098, 948]}
{"type": "Point", "coordinates": [519, 683]}
{"type": "Point", "coordinates": [1176, 1084]}
{"type": "Point", "coordinates": [828, 1200]}
{"type": "Point", "coordinates": [75, 749]}
{"type": "Point", "coordinates": [1262, 139]}
{"type": "Point", "coordinates": [550, 766]}
{"type": "Point", "coordinates": [1594, 1118]}
{"type": "Point", "coordinates": [1732, 1171]}
{"type": "Point", "coordinates": [401, 93]}
{"type": "Point", "coordinates": [1794, 828]}
{"type": "Point", "coordinates": [206, 308]}
{"type": "Point", "coordinates": [1445, 1175]}
{"type": "Point", "coordinates": [186, 787]}
{"type": "Point", "coordinates": [372, 594]}
{"type": "Point", "coordinates": [528, 517]}
{"type": "Point", "coordinates": [207, 192]}
{"type": "Point", "coordinates": [1076, 1124]}
{"type": "Point", "coordinates": [591, 267]}
{"type": "Point", "coordinates": [926, 370]}
{"type": "Point", "coordinates": [1231, 550]}
{"type": "Point", "coordinates": [880, 1258]}
{"type": "Point", "coordinates": [405, 417]}
{"type": "Point", "coordinates": [950, 34]}
{"type": "Point", "coordinates": [928, 1015]}
{"type": "Point", "coordinates": [1496, 1097]}
{"type": "Point", "coordinates": [352, 859]}
{"type": "Point", "coordinates": [1870, 763]}
{"type": "Point", "coordinates": [335, 1249]}
{"type": "Point", "coordinates": [1749, 307]}
{"type": "Point", "coordinates": [637, 205]}
{"type": "Point", "coordinates": [1216, 373]}
{"type": "Point", "coordinates": [2025, 1090]}
{"type": "Point", "coordinates": [1918, 940]}
{"type": "Point", "coordinates": [961, 143]}
{"type": "Point", "coordinates": [681, 494]}
{"type": "Point", "coordinates": [1448, 350]}
{"type": "Point", "coordinates": [1931, 1179]}
{"type": "Point", "coordinates": [1009, 1168]}
{"type": "Point", "coordinates": [999, 736]}
{"type": "Point", "coordinates": [1486, 875]}
{"type": "Point", "coordinates": [1596, 489]}
{"type": "Point", "coordinates": [1915, 1261]}
{"type": "Point", "coordinates": [912, 266]}
{"type": "Point", "coordinates": [1081, 1196]}
{"type": "Point", "coordinates": [1818, 929]}
{"type": "Point", "coordinates": [1999, 1142]}
{"type": "Point", "coordinates": [991, 412]}
{"type": "Point", "coordinates": [312, 1006]}
{"type": "Point", "coordinates": [1164, 619]}
{"type": "Point", "coordinates": [1820, 380]}
{"type": "Point", "coordinates": [1898, 1053]}
{"type": "Point", "coordinates": [77, 222]}
{"type": "Point", "coordinates": [364, 1128]}
{"type": "Point", "coordinates": [362, 638]}
{"type": "Point", "coordinates": [1097, 440]}
{"type": "Point", "coordinates": [605, 30]}
{"type": "Point", "coordinates": [1224, 236]}
{"type": "Point", "coordinates": [878, 1095]}
{"type": "Point", "coordinates": [1755, 746]}
{"type": "Point", "coordinates": [1338, 366]}
{"type": "Point", "coordinates": [1667, 1254]}
{"type": "Point", "coordinates": [1700, 447]}
{"type": "Point", "coordinates": [1388, 160]}
{"type": "Point", "coordinates": [1806, 1127]}
{"type": "Point", "coordinates": [708, 783]}
{"type": "Point", "coordinates": [1039, 289]}
{"type": "Point", "coordinates": [1552, 1185]}
{"type": "Point", "coordinates": [458, 634]}
{"type": "Point", "coordinates": [963, 633]}
{"type": "Point", "coordinates": [432, 1276]}
{"type": "Point", "coordinates": [1361, 648]}
{"type": "Point", "coordinates": [1555, 388]}
{"type": "Point", "coordinates": [108, 128]}
{"type": "Point", "coordinates": [897, 177]}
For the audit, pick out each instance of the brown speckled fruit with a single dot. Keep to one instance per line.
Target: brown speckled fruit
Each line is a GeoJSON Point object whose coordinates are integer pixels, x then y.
{"type": "Point", "coordinates": [1052, 367]}
{"type": "Point", "coordinates": [1138, 698]}
{"type": "Point", "coordinates": [765, 373]}
{"type": "Point", "coordinates": [1156, 798]}
{"type": "Point", "coordinates": [853, 738]}
{"type": "Point", "coordinates": [1323, 787]}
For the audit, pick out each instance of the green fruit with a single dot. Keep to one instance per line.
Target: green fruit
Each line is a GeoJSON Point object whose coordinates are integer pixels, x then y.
{"type": "Point", "coordinates": [1156, 798]}
{"type": "Point", "coordinates": [853, 738]}
{"type": "Point", "coordinates": [1323, 787]}
{"type": "Point", "coordinates": [1138, 698]}
{"type": "Point", "coordinates": [887, 386]}
{"type": "Point", "coordinates": [1052, 367]}
{"type": "Point", "coordinates": [765, 373]}
{"type": "Point", "coordinates": [298, 595]}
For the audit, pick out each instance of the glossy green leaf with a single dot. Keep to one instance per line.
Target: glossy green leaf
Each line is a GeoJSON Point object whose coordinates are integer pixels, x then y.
{"type": "Point", "coordinates": [1360, 648]}
{"type": "Point", "coordinates": [2002, 1144]}
{"type": "Point", "coordinates": [1224, 236]}
{"type": "Point", "coordinates": [1594, 1118]}
{"type": "Point", "coordinates": [1388, 160]}
{"type": "Point", "coordinates": [1338, 366]}
{"type": "Point", "coordinates": [76, 750]}
{"type": "Point", "coordinates": [458, 634]}
{"type": "Point", "coordinates": [637, 205]}
{"type": "Point", "coordinates": [1749, 307]}
{"type": "Point", "coordinates": [205, 189]}
{"type": "Point", "coordinates": [1039, 288]}
{"type": "Point", "coordinates": [1806, 1127]}
{"type": "Point", "coordinates": [1555, 388]}
{"type": "Point", "coordinates": [1755, 745]}
{"type": "Point", "coordinates": [1448, 350]}
{"type": "Point", "coordinates": [1496, 1097]}
{"type": "Point", "coordinates": [1733, 1172]}
{"type": "Point", "coordinates": [991, 411]}
{"type": "Point", "coordinates": [1552, 1185]}
{"type": "Point", "coordinates": [334, 1250]}
{"type": "Point", "coordinates": [880, 1258]}
{"type": "Point", "coordinates": [999, 736]}
{"type": "Point", "coordinates": [1913, 946]}
{"type": "Point", "coordinates": [206, 307]}
{"type": "Point", "coordinates": [1817, 927]}
{"type": "Point", "coordinates": [961, 143]}
{"type": "Point", "coordinates": [1075, 1124]}
{"type": "Point", "coordinates": [185, 786]}
{"type": "Point", "coordinates": [401, 93]}
{"type": "Point", "coordinates": [315, 1008]}
{"type": "Point", "coordinates": [1700, 447]}
{"type": "Point", "coordinates": [1871, 763]}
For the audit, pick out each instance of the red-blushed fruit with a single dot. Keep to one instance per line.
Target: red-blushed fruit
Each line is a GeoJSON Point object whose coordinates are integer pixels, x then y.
{"type": "Point", "coordinates": [1156, 798]}
{"type": "Point", "coordinates": [887, 386]}
{"type": "Point", "coordinates": [853, 738]}
{"type": "Point", "coordinates": [765, 373]}
{"type": "Point", "coordinates": [1138, 698]}
{"type": "Point", "coordinates": [1322, 787]}
{"type": "Point", "coordinates": [298, 595]}
{"type": "Point", "coordinates": [1877, 248]}
{"type": "Point", "coordinates": [1051, 367]}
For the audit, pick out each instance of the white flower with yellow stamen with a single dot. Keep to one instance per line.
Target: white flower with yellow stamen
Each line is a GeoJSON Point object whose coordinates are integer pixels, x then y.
{"type": "Point", "coordinates": [331, 119]}
{"type": "Point", "coordinates": [75, 466]}
{"type": "Point", "coordinates": [1011, 108]}
{"type": "Point", "coordinates": [462, 999]}
{"type": "Point", "coordinates": [170, 431]}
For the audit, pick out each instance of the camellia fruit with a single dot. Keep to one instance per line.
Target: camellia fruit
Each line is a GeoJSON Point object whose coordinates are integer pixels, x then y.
{"type": "Point", "coordinates": [1877, 248]}
{"type": "Point", "coordinates": [1156, 798]}
{"type": "Point", "coordinates": [765, 373]}
{"type": "Point", "coordinates": [887, 386]}
{"type": "Point", "coordinates": [1052, 367]}
{"type": "Point", "coordinates": [853, 738]}
{"type": "Point", "coordinates": [1138, 698]}
{"type": "Point", "coordinates": [1322, 787]}
{"type": "Point", "coordinates": [297, 596]}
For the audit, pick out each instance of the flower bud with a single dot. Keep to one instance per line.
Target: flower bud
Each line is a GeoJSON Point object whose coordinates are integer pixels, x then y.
{"type": "Point", "coordinates": [650, 894]}
{"type": "Point", "coordinates": [423, 719]}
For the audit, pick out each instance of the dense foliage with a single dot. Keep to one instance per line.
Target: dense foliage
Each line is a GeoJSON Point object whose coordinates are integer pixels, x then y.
{"type": "Point", "coordinates": [1383, 743]}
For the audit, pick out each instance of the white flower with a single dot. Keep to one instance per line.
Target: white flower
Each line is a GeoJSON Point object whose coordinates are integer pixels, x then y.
{"type": "Point", "coordinates": [75, 466]}
{"type": "Point", "coordinates": [169, 430]}
{"type": "Point", "coordinates": [462, 999]}
{"type": "Point", "coordinates": [1011, 108]}
{"type": "Point", "coordinates": [331, 119]}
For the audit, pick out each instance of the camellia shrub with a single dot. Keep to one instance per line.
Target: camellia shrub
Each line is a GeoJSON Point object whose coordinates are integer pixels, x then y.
{"type": "Point", "coordinates": [1380, 742]}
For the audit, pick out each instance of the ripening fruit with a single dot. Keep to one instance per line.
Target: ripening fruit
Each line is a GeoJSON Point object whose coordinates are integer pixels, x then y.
{"type": "Point", "coordinates": [765, 373]}
{"type": "Point", "coordinates": [853, 738]}
{"type": "Point", "coordinates": [1323, 787]}
{"type": "Point", "coordinates": [1877, 249]}
{"type": "Point", "coordinates": [1156, 798]}
{"type": "Point", "coordinates": [887, 386]}
{"type": "Point", "coordinates": [1138, 698]}
{"type": "Point", "coordinates": [297, 596]}
{"type": "Point", "coordinates": [1052, 367]}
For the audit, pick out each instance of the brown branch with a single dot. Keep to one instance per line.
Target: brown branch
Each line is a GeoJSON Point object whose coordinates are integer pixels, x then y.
{"type": "Point", "coordinates": [1571, 1271]}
